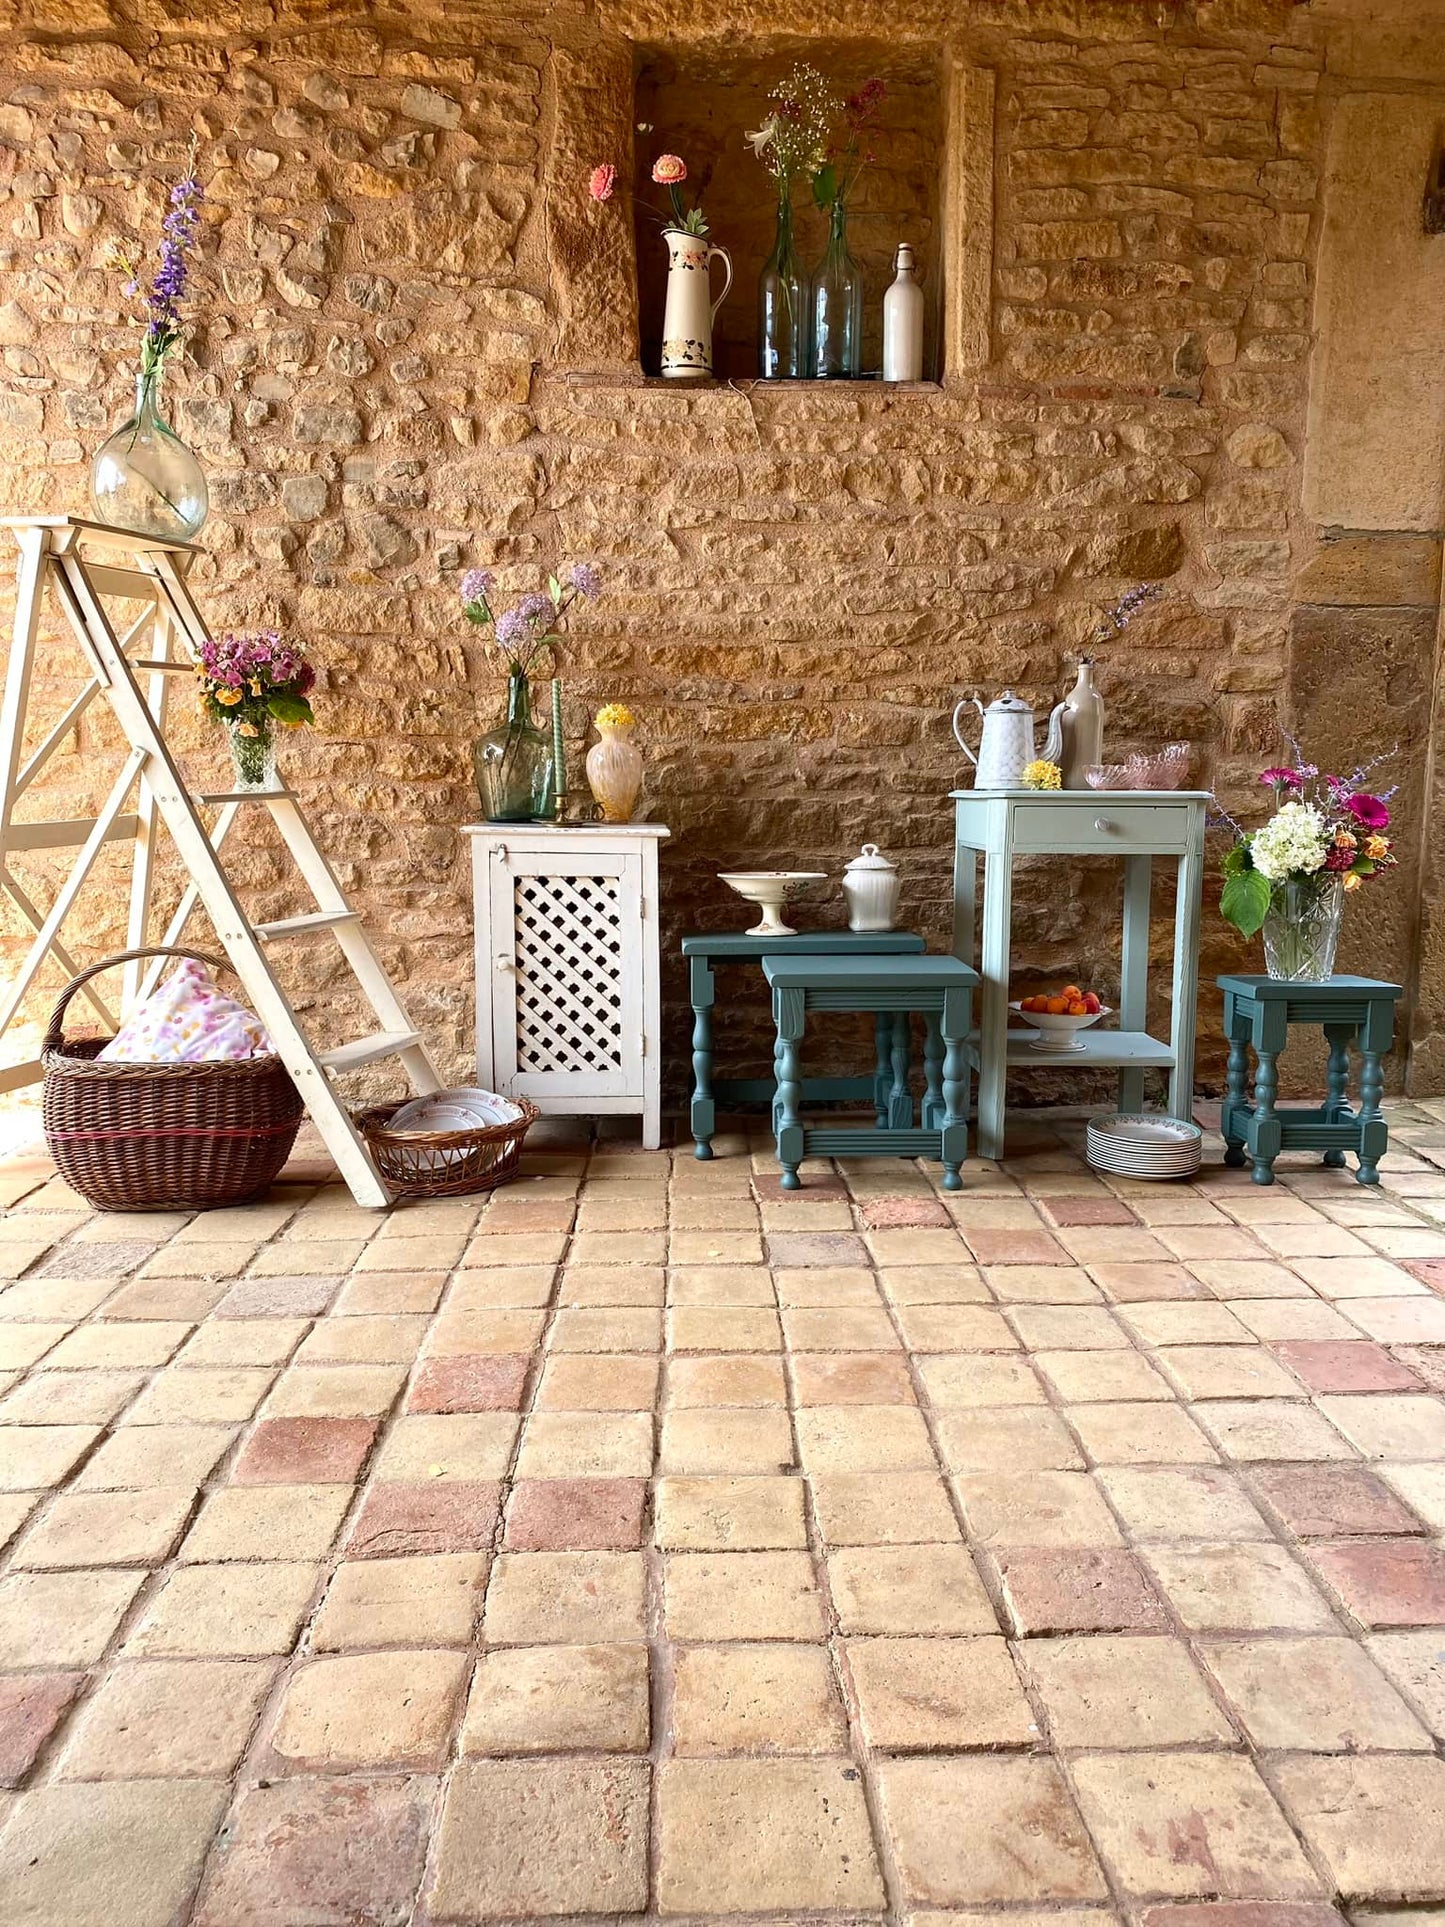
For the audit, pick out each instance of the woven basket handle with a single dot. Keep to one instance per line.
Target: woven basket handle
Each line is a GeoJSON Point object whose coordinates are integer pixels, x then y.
{"type": "Point", "coordinates": [55, 1035]}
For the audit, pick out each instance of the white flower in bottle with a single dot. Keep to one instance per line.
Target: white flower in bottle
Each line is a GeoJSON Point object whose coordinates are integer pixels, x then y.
{"type": "Point", "coordinates": [1292, 843]}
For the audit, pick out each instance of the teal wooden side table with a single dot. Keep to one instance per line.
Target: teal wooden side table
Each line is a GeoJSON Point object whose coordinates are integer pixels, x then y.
{"type": "Point", "coordinates": [1258, 1012]}
{"type": "Point", "coordinates": [737, 947]}
{"type": "Point", "coordinates": [1134, 825]}
{"type": "Point", "coordinates": [941, 989]}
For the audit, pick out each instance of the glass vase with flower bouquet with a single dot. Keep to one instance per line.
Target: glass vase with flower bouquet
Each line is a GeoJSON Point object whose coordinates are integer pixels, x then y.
{"type": "Point", "coordinates": [514, 764]}
{"type": "Point", "coordinates": [1289, 878]}
{"type": "Point", "coordinates": [251, 682]}
{"type": "Point", "coordinates": [689, 307]}
{"type": "Point", "coordinates": [792, 145]}
{"type": "Point", "coordinates": [143, 476]}
{"type": "Point", "coordinates": [838, 280]}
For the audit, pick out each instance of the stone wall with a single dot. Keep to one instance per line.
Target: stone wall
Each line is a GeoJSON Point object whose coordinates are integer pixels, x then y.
{"type": "Point", "coordinates": [417, 351]}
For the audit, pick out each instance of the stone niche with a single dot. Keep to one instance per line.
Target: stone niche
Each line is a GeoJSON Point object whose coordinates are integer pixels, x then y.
{"type": "Point", "coordinates": [699, 100]}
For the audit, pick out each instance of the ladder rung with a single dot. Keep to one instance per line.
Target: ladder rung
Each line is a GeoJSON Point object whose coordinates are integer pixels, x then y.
{"type": "Point", "coordinates": [242, 796]}
{"type": "Point", "coordinates": [366, 1050]}
{"type": "Point", "coordinates": [132, 585]}
{"type": "Point", "coordinates": [156, 662]}
{"type": "Point", "coordinates": [303, 926]}
{"type": "Point", "coordinates": [65, 836]}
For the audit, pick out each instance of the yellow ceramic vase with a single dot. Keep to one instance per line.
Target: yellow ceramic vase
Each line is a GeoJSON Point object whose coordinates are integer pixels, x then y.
{"type": "Point", "coordinates": [614, 771]}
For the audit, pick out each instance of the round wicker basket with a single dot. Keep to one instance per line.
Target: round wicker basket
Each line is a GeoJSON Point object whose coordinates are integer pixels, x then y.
{"type": "Point", "coordinates": [163, 1137]}
{"type": "Point", "coordinates": [445, 1164]}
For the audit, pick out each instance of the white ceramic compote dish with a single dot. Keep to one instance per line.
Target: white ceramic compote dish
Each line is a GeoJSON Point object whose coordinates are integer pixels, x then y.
{"type": "Point", "coordinates": [1057, 1031]}
{"type": "Point", "coordinates": [770, 890]}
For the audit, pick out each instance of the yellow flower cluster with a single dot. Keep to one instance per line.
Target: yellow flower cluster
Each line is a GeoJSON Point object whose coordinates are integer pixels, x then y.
{"type": "Point", "coordinates": [1041, 775]}
{"type": "Point", "coordinates": [615, 716]}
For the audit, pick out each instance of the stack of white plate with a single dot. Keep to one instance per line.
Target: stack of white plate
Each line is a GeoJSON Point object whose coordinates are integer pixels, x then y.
{"type": "Point", "coordinates": [466, 1108]}
{"type": "Point", "coordinates": [1136, 1145]}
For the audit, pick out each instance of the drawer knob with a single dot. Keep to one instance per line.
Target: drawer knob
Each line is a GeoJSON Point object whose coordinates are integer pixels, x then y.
{"type": "Point", "coordinates": [1103, 823]}
{"type": "Point", "coordinates": [503, 962]}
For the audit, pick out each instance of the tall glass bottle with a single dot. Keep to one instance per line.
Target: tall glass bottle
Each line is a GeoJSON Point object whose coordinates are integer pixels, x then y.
{"type": "Point", "coordinates": [784, 312]}
{"type": "Point", "coordinates": [838, 306]}
{"type": "Point", "coordinates": [513, 762]}
{"type": "Point", "coordinates": [144, 477]}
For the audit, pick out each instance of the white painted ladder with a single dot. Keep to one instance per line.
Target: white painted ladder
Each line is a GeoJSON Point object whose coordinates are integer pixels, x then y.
{"type": "Point", "coordinates": [153, 573]}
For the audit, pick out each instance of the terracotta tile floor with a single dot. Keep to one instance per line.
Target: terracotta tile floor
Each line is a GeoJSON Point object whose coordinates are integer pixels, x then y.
{"type": "Point", "coordinates": [648, 1542]}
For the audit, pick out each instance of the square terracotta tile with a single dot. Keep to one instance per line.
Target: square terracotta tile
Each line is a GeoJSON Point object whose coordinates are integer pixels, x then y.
{"type": "Point", "coordinates": [334, 1391]}
{"type": "Point", "coordinates": [176, 1397]}
{"type": "Point", "coordinates": [266, 1522]}
{"type": "Point", "coordinates": [1141, 1434]}
{"type": "Point", "coordinates": [1123, 1691]}
{"type": "Point", "coordinates": [131, 1528]}
{"type": "Point", "coordinates": [1391, 1426]}
{"type": "Point", "coordinates": [357, 1842]}
{"type": "Point", "coordinates": [1271, 1428]}
{"type": "Point", "coordinates": [128, 1854]}
{"type": "Point", "coordinates": [969, 1831]}
{"type": "Point", "coordinates": [787, 1248]}
{"type": "Point", "coordinates": [304, 1451]}
{"type": "Point", "coordinates": [475, 1382]}
{"type": "Point", "coordinates": [738, 1836]}
{"type": "Point", "coordinates": [1312, 1696]}
{"type": "Point", "coordinates": [1326, 1366]}
{"type": "Point", "coordinates": [739, 1379]}
{"type": "Point", "coordinates": [287, 1297]}
{"type": "Point", "coordinates": [432, 1600]}
{"type": "Point", "coordinates": [466, 1445]}
{"type": "Point", "coordinates": [965, 1380]}
{"type": "Point", "coordinates": [933, 1285]}
{"type": "Point", "coordinates": [728, 1328]}
{"type": "Point", "coordinates": [1226, 1371]}
{"type": "Point", "coordinates": [33, 1457]}
{"type": "Point", "coordinates": [1386, 1582]}
{"type": "Point", "coordinates": [918, 1589]}
{"type": "Point", "coordinates": [167, 1719]}
{"type": "Point", "coordinates": [1008, 1438]}
{"type": "Point", "coordinates": [1088, 1590]}
{"type": "Point", "coordinates": [566, 1598]}
{"type": "Point", "coordinates": [955, 1328]}
{"type": "Point", "coordinates": [1244, 1587]}
{"type": "Point", "coordinates": [576, 1515]}
{"type": "Point", "coordinates": [501, 1288]}
{"type": "Point", "coordinates": [559, 1445]}
{"type": "Point", "coordinates": [1106, 1377]}
{"type": "Point", "coordinates": [1377, 1822]}
{"type": "Point", "coordinates": [1190, 1321]}
{"type": "Point", "coordinates": [730, 1514]}
{"type": "Point", "coordinates": [852, 1378]}
{"type": "Point", "coordinates": [414, 1516]}
{"type": "Point", "coordinates": [1301, 1320]}
{"type": "Point", "coordinates": [1008, 1509]}
{"type": "Point", "coordinates": [863, 1438]}
{"type": "Point", "coordinates": [756, 1698]}
{"type": "Point", "coordinates": [724, 1439]}
{"type": "Point", "coordinates": [1415, 1661]}
{"type": "Point", "coordinates": [1129, 1284]}
{"type": "Point", "coordinates": [32, 1705]}
{"type": "Point", "coordinates": [815, 1286]}
{"type": "Point", "coordinates": [1250, 1277]}
{"type": "Point", "coordinates": [1014, 1247]}
{"type": "Point", "coordinates": [721, 1285]}
{"type": "Point", "coordinates": [1330, 1501]}
{"type": "Point", "coordinates": [559, 1699]}
{"type": "Point", "coordinates": [226, 1611]}
{"type": "Point", "coordinates": [1139, 1806]}
{"type": "Point", "coordinates": [1080, 1328]}
{"type": "Point", "coordinates": [922, 1694]}
{"type": "Point", "coordinates": [1183, 1502]}
{"type": "Point", "coordinates": [741, 1596]}
{"type": "Point", "coordinates": [883, 1508]}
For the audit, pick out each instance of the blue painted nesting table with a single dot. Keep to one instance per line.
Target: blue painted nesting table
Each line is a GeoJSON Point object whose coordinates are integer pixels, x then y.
{"type": "Point", "coordinates": [938, 988]}
{"type": "Point", "coordinates": [1259, 1011]}
{"type": "Point", "coordinates": [703, 952]}
{"type": "Point", "coordinates": [1136, 825]}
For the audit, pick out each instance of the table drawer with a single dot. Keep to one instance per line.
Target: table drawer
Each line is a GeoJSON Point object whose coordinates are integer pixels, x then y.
{"type": "Point", "coordinates": [1127, 829]}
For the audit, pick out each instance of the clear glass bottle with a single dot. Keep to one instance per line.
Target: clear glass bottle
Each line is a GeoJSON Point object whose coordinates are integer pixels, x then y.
{"type": "Point", "coordinates": [144, 477]}
{"type": "Point", "coordinates": [513, 762]}
{"type": "Point", "coordinates": [838, 306]}
{"type": "Point", "coordinates": [784, 307]}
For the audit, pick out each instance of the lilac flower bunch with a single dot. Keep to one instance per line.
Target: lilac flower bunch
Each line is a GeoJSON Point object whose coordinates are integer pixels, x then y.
{"type": "Point", "coordinates": [161, 301]}
{"type": "Point", "coordinates": [253, 679]}
{"type": "Point", "coordinates": [1124, 611]}
{"type": "Point", "coordinates": [534, 622]}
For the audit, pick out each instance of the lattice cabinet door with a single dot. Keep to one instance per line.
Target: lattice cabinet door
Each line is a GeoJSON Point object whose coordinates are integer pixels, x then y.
{"type": "Point", "coordinates": [567, 967]}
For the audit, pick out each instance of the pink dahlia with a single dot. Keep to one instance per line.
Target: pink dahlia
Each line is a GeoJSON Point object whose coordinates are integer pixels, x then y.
{"type": "Point", "coordinates": [1369, 811]}
{"type": "Point", "coordinates": [601, 181]}
{"type": "Point", "coordinates": [669, 169]}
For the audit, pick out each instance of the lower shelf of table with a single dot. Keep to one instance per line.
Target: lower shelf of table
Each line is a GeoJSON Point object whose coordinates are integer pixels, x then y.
{"type": "Point", "coordinates": [1097, 1049]}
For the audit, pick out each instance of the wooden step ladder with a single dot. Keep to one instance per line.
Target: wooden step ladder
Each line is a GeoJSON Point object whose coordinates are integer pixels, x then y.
{"type": "Point", "coordinates": [56, 554]}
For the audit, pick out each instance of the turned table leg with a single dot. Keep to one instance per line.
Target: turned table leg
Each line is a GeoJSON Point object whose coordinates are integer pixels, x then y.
{"type": "Point", "coordinates": [702, 1117]}
{"type": "Point", "coordinates": [1337, 1085]}
{"type": "Point", "coordinates": [1236, 1099]}
{"type": "Point", "coordinates": [953, 1024]}
{"type": "Point", "coordinates": [1266, 1128]}
{"type": "Point", "coordinates": [788, 1009]}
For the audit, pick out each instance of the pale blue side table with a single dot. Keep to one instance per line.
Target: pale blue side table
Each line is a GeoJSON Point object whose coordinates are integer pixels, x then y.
{"type": "Point", "coordinates": [1134, 825]}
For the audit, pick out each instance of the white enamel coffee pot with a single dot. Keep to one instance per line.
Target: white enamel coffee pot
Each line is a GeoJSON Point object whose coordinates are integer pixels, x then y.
{"type": "Point", "coordinates": [1006, 747]}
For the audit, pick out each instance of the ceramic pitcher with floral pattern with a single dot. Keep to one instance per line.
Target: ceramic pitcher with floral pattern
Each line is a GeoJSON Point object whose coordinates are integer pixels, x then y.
{"type": "Point", "coordinates": [687, 317]}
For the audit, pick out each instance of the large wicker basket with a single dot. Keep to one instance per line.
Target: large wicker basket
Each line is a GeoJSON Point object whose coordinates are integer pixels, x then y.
{"type": "Point", "coordinates": [175, 1137]}
{"type": "Point", "coordinates": [445, 1164]}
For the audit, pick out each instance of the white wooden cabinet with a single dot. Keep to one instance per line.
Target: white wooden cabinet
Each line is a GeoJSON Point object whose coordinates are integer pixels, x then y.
{"type": "Point", "coordinates": [568, 985]}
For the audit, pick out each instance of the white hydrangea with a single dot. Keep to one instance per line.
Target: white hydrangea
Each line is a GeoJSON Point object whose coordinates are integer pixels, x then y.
{"type": "Point", "coordinates": [1292, 843]}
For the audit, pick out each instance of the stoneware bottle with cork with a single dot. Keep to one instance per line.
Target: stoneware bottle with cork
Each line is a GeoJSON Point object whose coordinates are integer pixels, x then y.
{"type": "Point", "coordinates": [903, 322]}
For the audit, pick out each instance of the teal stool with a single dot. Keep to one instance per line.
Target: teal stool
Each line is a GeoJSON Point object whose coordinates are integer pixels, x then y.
{"type": "Point", "coordinates": [1258, 1011]}
{"type": "Point", "coordinates": [941, 990]}
{"type": "Point", "coordinates": [704, 953]}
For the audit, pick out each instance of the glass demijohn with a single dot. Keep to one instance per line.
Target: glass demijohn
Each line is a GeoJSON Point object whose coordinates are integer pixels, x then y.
{"type": "Point", "coordinates": [145, 478]}
{"type": "Point", "coordinates": [513, 762]}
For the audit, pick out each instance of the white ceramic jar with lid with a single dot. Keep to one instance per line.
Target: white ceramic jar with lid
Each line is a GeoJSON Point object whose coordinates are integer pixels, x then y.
{"type": "Point", "coordinates": [871, 886]}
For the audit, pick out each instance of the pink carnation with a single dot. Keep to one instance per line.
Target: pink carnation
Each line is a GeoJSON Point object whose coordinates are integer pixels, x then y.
{"type": "Point", "coordinates": [669, 169]}
{"type": "Point", "coordinates": [601, 181]}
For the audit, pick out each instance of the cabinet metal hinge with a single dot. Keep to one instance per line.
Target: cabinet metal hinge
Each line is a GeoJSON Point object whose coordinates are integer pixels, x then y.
{"type": "Point", "coordinates": [642, 1045]}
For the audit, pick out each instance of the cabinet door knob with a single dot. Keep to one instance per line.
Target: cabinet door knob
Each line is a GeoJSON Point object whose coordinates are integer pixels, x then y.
{"type": "Point", "coordinates": [1103, 823]}
{"type": "Point", "coordinates": [502, 962]}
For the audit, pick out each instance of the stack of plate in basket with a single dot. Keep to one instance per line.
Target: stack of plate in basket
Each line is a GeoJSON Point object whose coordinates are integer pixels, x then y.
{"type": "Point", "coordinates": [1135, 1144]}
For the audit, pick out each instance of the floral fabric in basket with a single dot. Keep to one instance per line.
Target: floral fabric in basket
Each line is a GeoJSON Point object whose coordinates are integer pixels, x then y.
{"type": "Point", "coordinates": [188, 1019]}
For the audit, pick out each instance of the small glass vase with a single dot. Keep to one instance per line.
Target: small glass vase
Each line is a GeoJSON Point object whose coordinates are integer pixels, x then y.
{"type": "Point", "coordinates": [614, 772]}
{"type": "Point", "coordinates": [145, 478]}
{"type": "Point", "coordinates": [838, 306]}
{"type": "Point", "coordinates": [784, 305]}
{"type": "Point", "coordinates": [254, 756]}
{"type": "Point", "coordinates": [1302, 928]}
{"type": "Point", "coordinates": [513, 762]}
